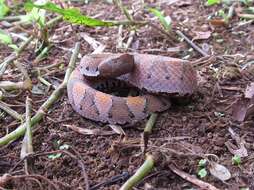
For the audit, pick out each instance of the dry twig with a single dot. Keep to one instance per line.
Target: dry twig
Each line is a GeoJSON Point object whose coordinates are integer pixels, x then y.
{"type": "Point", "coordinates": [194, 180]}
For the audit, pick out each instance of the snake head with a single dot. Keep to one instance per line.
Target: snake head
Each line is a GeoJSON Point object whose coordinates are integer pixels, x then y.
{"type": "Point", "coordinates": [116, 66]}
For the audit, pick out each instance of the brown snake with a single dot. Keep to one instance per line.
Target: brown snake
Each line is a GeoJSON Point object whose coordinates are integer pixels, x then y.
{"type": "Point", "coordinates": [159, 77]}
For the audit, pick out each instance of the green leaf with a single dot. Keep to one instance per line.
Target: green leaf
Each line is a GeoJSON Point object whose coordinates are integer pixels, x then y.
{"type": "Point", "coordinates": [212, 2]}
{"type": "Point", "coordinates": [236, 160]}
{"type": "Point", "coordinates": [3, 9]}
{"type": "Point", "coordinates": [202, 163]}
{"type": "Point", "coordinates": [202, 173]}
{"type": "Point", "coordinates": [165, 21]}
{"type": "Point", "coordinates": [72, 15]}
{"type": "Point", "coordinates": [5, 38]}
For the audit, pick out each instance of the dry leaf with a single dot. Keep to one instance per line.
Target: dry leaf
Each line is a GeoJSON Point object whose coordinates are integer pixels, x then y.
{"type": "Point", "coordinates": [89, 131]}
{"type": "Point", "coordinates": [238, 150]}
{"type": "Point", "coordinates": [244, 107]}
{"type": "Point", "coordinates": [219, 171]}
{"type": "Point", "coordinates": [249, 92]}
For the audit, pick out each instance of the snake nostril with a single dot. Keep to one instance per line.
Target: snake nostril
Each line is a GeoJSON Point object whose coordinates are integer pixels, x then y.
{"type": "Point", "coordinates": [131, 115]}
{"type": "Point", "coordinates": [87, 68]}
{"type": "Point", "coordinates": [149, 76]}
{"type": "Point", "coordinates": [167, 77]}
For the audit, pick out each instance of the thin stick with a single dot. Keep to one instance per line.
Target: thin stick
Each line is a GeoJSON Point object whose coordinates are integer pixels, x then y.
{"type": "Point", "coordinates": [13, 113]}
{"type": "Point", "coordinates": [198, 49]}
{"type": "Point", "coordinates": [194, 180]}
{"type": "Point", "coordinates": [27, 145]}
{"type": "Point", "coordinates": [49, 102]}
{"type": "Point", "coordinates": [143, 171]}
{"type": "Point", "coordinates": [130, 39]}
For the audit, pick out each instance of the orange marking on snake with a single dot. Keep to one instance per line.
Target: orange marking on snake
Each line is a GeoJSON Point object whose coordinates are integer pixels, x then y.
{"type": "Point", "coordinates": [103, 103]}
{"type": "Point", "coordinates": [78, 91]}
{"type": "Point", "coordinates": [137, 106]}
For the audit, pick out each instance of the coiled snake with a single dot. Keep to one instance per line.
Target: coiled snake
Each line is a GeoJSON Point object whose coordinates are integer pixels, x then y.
{"type": "Point", "coordinates": [158, 77]}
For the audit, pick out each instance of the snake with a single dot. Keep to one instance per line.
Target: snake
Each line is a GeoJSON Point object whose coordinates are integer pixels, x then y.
{"type": "Point", "coordinates": [157, 77]}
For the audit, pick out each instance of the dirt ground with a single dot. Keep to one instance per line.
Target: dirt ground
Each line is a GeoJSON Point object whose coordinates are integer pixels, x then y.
{"type": "Point", "coordinates": [180, 135]}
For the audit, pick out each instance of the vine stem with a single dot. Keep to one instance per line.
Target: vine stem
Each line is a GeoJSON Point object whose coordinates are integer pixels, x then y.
{"type": "Point", "coordinates": [143, 171]}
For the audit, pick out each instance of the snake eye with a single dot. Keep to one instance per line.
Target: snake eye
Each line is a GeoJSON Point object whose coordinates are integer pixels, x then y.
{"type": "Point", "coordinates": [87, 68]}
{"type": "Point", "coordinates": [149, 76]}
{"type": "Point", "coordinates": [167, 77]}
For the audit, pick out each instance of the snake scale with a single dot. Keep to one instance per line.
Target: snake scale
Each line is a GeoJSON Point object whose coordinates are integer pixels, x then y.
{"type": "Point", "coordinates": [158, 77]}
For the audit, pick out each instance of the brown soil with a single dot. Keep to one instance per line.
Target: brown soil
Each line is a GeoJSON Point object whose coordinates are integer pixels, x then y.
{"type": "Point", "coordinates": [200, 127]}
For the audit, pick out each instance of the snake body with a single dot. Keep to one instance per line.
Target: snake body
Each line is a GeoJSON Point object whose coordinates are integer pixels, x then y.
{"type": "Point", "coordinates": [159, 77]}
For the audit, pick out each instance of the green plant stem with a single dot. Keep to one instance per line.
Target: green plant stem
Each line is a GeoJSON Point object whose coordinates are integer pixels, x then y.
{"type": "Point", "coordinates": [150, 123]}
{"type": "Point", "coordinates": [44, 81]}
{"type": "Point", "coordinates": [8, 85]}
{"type": "Point", "coordinates": [148, 130]}
{"type": "Point", "coordinates": [13, 113]}
{"type": "Point", "coordinates": [46, 105]}
{"type": "Point", "coordinates": [143, 171]}
{"type": "Point", "coordinates": [41, 55]}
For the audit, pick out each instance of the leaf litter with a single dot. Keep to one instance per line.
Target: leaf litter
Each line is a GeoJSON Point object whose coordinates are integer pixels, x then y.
{"type": "Point", "coordinates": [196, 121]}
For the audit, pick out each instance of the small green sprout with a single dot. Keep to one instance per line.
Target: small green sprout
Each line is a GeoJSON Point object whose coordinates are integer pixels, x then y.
{"type": "Point", "coordinates": [236, 160]}
{"type": "Point", "coordinates": [58, 155]}
{"type": "Point", "coordinates": [202, 173]}
{"type": "Point", "coordinates": [164, 20]}
{"type": "Point", "coordinates": [202, 163]}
